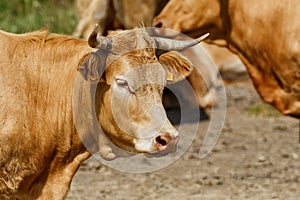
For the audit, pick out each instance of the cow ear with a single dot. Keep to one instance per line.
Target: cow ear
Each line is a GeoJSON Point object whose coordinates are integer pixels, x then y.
{"type": "Point", "coordinates": [92, 66]}
{"type": "Point", "coordinates": [177, 66]}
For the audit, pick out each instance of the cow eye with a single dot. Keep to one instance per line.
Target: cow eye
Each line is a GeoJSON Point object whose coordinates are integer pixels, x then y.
{"type": "Point", "coordinates": [123, 83]}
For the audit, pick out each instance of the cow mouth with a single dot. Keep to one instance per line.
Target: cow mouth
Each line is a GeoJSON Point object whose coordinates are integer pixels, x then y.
{"type": "Point", "coordinates": [159, 153]}
{"type": "Point", "coordinates": [164, 149]}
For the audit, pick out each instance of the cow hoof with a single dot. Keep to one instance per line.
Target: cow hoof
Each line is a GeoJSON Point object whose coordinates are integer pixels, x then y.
{"type": "Point", "coordinates": [106, 153]}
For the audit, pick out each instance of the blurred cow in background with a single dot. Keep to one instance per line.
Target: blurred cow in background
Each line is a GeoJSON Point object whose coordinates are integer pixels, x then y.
{"type": "Point", "coordinates": [264, 34]}
{"type": "Point", "coordinates": [115, 14]}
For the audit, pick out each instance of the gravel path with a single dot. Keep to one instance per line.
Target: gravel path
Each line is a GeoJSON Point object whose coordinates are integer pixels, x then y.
{"type": "Point", "coordinates": [256, 158]}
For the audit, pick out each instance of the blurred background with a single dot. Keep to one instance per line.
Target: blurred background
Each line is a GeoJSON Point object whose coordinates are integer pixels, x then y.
{"type": "Point", "coordinates": [21, 16]}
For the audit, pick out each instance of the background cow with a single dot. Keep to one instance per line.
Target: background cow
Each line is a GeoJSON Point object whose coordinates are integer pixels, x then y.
{"type": "Point", "coordinates": [114, 14]}
{"type": "Point", "coordinates": [40, 145]}
{"type": "Point", "coordinates": [265, 35]}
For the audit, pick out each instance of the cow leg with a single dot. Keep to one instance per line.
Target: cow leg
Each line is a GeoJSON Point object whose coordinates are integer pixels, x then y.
{"type": "Point", "coordinates": [105, 150]}
{"type": "Point", "coordinates": [58, 178]}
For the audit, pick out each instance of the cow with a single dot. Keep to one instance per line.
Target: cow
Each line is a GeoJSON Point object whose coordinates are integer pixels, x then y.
{"type": "Point", "coordinates": [264, 34]}
{"type": "Point", "coordinates": [40, 145]}
{"type": "Point", "coordinates": [114, 14]}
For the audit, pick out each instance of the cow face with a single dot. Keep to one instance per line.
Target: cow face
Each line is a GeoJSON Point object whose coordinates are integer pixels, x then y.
{"type": "Point", "coordinates": [190, 15]}
{"type": "Point", "coordinates": [133, 102]}
{"type": "Point", "coordinates": [129, 95]}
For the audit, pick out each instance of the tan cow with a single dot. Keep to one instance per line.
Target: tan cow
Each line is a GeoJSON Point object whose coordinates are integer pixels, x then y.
{"type": "Point", "coordinates": [114, 14]}
{"type": "Point", "coordinates": [264, 34]}
{"type": "Point", "coordinates": [40, 147]}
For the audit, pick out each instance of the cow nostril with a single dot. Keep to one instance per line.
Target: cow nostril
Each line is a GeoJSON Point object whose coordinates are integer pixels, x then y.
{"type": "Point", "coordinates": [158, 25]}
{"type": "Point", "coordinates": [161, 140]}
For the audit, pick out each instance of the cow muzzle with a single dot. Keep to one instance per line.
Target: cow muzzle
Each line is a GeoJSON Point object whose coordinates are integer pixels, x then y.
{"type": "Point", "coordinates": [158, 145]}
{"type": "Point", "coordinates": [165, 144]}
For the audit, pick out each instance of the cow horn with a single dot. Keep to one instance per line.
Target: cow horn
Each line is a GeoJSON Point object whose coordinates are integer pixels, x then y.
{"type": "Point", "coordinates": [98, 41]}
{"type": "Point", "coordinates": [170, 44]}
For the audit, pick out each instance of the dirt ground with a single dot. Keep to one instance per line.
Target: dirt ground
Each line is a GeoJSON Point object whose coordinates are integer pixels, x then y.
{"type": "Point", "coordinates": [256, 157]}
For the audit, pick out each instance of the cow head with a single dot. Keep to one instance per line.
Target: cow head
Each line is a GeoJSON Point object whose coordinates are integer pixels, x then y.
{"type": "Point", "coordinates": [129, 94]}
{"type": "Point", "coordinates": [193, 17]}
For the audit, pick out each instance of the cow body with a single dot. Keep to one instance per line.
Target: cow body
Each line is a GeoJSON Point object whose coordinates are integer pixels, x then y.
{"type": "Point", "coordinates": [265, 35]}
{"type": "Point", "coordinates": [40, 147]}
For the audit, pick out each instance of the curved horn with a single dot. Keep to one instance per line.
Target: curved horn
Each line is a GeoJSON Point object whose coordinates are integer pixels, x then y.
{"type": "Point", "coordinates": [170, 44]}
{"type": "Point", "coordinates": [98, 41]}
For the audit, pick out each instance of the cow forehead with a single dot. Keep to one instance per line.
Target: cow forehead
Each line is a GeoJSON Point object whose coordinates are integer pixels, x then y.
{"type": "Point", "coordinates": [146, 74]}
{"type": "Point", "coordinates": [130, 40]}
{"type": "Point", "coordinates": [137, 65]}
{"type": "Point", "coordinates": [133, 56]}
